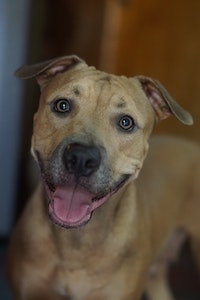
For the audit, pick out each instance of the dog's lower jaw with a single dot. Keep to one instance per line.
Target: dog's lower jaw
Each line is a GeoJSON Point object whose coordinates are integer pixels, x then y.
{"type": "Point", "coordinates": [72, 206]}
{"type": "Point", "coordinates": [66, 225]}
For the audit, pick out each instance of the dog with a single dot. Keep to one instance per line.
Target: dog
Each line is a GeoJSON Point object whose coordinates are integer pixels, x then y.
{"type": "Point", "coordinates": [94, 229]}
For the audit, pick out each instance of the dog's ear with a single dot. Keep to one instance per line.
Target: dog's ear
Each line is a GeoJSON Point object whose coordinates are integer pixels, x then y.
{"type": "Point", "coordinates": [45, 70]}
{"type": "Point", "coordinates": [162, 102]}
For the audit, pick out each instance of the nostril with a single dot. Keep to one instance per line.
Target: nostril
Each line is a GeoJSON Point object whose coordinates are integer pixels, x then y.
{"type": "Point", "coordinates": [70, 161]}
{"type": "Point", "coordinates": [91, 163]}
{"type": "Point", "coordinates": [81, 160]}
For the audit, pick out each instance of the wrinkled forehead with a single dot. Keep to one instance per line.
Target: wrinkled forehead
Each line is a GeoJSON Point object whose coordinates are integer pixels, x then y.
{"type": "Point", "coordinates": [115, 92]}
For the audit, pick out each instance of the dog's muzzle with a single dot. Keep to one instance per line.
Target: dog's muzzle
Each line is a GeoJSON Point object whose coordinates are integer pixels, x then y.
{"type": "Point", "coordinates": [77, 183]}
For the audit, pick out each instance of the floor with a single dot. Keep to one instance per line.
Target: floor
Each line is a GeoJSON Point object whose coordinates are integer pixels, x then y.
{"type": "Point", "coordinates": [183, 276]}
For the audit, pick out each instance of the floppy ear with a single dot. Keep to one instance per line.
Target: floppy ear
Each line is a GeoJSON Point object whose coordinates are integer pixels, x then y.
{"type": "Point", "coordinates": [162, 102]}
{"type": "Point", "coordinates": [45, 70]}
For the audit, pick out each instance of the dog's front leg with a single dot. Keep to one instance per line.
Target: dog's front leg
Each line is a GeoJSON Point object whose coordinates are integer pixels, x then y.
{"type": "Point", "coordinates": [158, 284]}
{"type": "Point", "coordinates": [39, 291]}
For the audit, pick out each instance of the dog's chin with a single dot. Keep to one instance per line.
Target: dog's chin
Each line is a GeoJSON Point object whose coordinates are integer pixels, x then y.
{"type": "Point", "coordinates": [71, 205]}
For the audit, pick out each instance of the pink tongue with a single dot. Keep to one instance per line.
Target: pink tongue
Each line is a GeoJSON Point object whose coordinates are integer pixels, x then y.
{"type": "Point", "coordinates": [71, 204]}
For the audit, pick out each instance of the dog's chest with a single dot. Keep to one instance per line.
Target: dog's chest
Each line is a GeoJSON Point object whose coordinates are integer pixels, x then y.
{"type": "Point", "coordinates": [75, 284]}
{"type": "Point", "coordinates": [79, 285]}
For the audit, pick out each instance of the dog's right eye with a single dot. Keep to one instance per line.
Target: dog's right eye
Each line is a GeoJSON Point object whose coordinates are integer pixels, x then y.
{"type": "Point", "coordinates": [61, 106]}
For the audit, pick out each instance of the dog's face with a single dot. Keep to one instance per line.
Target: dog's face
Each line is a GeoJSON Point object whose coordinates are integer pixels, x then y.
{"type": "Point", "coordinates": [91, 135]}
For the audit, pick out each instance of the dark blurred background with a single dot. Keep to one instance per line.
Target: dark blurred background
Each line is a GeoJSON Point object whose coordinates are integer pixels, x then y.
{"type": "Point", "coordinates": [160, 39]}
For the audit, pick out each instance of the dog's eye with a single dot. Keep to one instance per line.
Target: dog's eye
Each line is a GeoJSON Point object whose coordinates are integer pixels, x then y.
{"type": "Point", "coordinates": [61, 106]}
{"type": "Point", "coordinates": [127, 123]}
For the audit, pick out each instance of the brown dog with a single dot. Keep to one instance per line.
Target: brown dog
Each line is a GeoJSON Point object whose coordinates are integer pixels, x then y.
{"type": "Point", "coordinates": [112, 232]}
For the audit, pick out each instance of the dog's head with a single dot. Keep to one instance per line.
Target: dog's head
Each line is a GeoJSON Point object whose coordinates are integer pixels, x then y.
{"type": "Point", "coordinates": [91, 133]}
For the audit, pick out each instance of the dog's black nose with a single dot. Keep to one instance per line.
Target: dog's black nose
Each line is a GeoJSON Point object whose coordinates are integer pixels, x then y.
{"type": "Point", "coordinates": [81, 160]}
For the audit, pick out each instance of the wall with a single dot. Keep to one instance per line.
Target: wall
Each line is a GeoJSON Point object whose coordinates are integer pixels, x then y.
{"type": "Point", "coordinates": [160, 39]}
{"type": "Point", "coordinates": [13, 33]}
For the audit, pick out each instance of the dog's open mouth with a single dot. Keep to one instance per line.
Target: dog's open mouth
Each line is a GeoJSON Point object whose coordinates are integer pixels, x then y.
{"type": "Point", "coordinates": [71, 205]}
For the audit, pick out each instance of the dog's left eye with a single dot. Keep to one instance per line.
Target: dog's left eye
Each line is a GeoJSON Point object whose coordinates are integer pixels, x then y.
{"type": "Point", "coordinates": [61, 106]}
{"type": "Point", "coordinates": [127, 123]}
